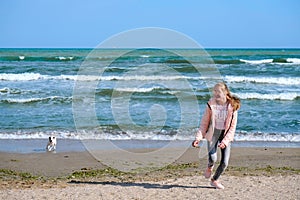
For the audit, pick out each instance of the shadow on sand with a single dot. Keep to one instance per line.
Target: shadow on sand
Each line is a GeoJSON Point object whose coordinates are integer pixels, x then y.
{"type": "Point", "coordinates": [144, 185]}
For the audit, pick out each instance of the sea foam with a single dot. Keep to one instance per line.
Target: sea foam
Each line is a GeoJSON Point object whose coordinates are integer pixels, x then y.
{"type": "Point", "coordinates": [288, 96]}
{"type": "Point", "coordinates": [265, 80]}
{"type": "Point", "coordinates": [21, 77]}
{"type": "Point", "coordinates": [293, 60]}
{"type": "Point", "coordinates": [38, 99]}
{"type": "Point", "coordinates": [257, 61]}
{"type": "Point", "coordinates": [108, 135]}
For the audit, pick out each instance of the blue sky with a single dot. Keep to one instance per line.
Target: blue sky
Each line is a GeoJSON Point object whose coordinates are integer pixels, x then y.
{"type": "Point", "coordinates": [213, 24]}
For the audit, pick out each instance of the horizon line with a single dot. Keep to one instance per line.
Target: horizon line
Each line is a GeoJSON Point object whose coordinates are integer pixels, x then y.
{"type": "Point", "coordinates": [149, 48]}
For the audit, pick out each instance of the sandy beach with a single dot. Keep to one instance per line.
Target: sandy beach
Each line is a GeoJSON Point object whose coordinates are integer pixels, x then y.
{"type": "Point", "coordinates": [253, 173]}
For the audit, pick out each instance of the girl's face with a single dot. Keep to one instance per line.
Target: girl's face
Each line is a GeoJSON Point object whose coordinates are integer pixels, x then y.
{"type": "Point", "coordinates": [220, 95]}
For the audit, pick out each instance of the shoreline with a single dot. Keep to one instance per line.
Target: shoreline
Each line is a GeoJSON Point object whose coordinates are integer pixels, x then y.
{"type": "Point", "coordinates": [27, 146]}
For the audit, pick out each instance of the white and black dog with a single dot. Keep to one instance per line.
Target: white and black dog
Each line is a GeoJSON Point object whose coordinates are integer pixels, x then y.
{"type": "Point", "coordinates": [51, 145]}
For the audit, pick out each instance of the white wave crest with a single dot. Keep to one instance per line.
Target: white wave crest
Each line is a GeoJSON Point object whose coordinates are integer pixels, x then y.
{"type": "Point", "coordinates": [257, 62]}
{"type": "Point", "coordinates": [141, 90]}
{"type": "Point", "coordinates": [267, 80]}
{"type": "Point", "coordinates": [21, 57]}
{"type": "Point", "coordinates": [37, 76]}
{"type": "Point", "coordinates": [274, 137]}
{"type": "Point", "coordinates": [65, 58]}
{"type": "Point", "coordinates": [21, 77]}
{"type": "Point", "coordinates": [239, 136]}
{"type": "Point", "coordinates": [293, 60]}
{"type": "Point", "coordinates": [32, 100]}
{"type": "Point", "coordinates": [288, 96]}
{"type": "Point", "coordinates": [7, 90]}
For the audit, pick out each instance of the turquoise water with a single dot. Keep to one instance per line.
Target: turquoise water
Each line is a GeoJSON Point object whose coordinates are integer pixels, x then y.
{"type": "Point", "coordinates": [37, 93]}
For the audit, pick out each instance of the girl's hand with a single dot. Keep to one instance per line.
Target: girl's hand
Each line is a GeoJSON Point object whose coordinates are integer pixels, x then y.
{"type": "Point", "coordinates": [195, 143]}
{"type": "Point", "coordinates": [222, 145]}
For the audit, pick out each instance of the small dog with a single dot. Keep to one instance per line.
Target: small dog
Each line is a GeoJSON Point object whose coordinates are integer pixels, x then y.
{"type": "Point", "coordinates": [51, 145]}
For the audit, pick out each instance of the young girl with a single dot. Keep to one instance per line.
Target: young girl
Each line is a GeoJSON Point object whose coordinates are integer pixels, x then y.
{"type": "Point", "coordinates": [218, 127]}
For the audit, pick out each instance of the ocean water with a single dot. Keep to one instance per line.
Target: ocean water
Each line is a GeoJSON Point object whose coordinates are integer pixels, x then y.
{"type": "Point", "coordinates": [137, 97]}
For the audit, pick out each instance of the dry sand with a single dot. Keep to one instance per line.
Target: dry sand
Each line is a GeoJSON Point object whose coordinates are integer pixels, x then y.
{"type": "Point", "coordinates": [254, 173]}
{"type": "Point", "coordinates": [195, 187]}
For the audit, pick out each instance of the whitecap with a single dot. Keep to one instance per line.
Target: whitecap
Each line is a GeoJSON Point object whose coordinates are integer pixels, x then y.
{"type": "Point", "coordinates": [6, 90]}
{"type": "Point", "coordinates": [115, 135]}
{"type": "Point", "coordinates": [61, 58]}
{"type": "Point", "coordinates": [21, 77]}
{"type": "Point", "coordinates": [293, 60]}
{"type": "Point", "coordinates": [266, 80]}
{"type": "Point", "coordinates": [21, 57]}
{"type": "Point", "coordinates": [257, 62]}
{"type": "Point", "coordinates": [288, 96]}
{"type": "Point", "coordinates": [32, 100]}
{"type": "Point", "coordinates": [141, 90]}
{"type": "Point", "coordinates": [267, 137]}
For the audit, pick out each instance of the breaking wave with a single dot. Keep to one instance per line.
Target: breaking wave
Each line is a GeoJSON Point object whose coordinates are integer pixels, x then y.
{"type": "Point", "coordinates": [54, 99]}
{"type": "Point", "coordinates": [288, 96]}
{"type": "Point", "coordinates": [265, 80]}
{"type": "Point", "coordinates": [163, 136]}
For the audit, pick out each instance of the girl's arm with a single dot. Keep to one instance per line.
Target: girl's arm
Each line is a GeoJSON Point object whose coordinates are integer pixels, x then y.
{"type": "Point", "coordinates": [204, 124]}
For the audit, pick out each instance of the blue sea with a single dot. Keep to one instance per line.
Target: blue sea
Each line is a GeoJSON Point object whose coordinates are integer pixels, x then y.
{"type": "Point", "coordinates": [37, 88]}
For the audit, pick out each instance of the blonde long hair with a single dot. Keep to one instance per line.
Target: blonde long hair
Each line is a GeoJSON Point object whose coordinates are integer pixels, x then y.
{"type": "Point", "coordinates": [233, 100]}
